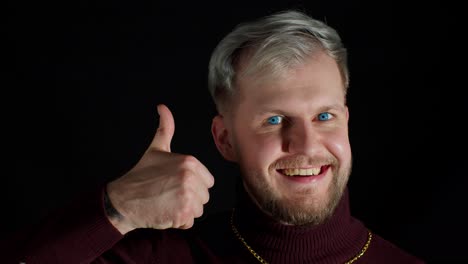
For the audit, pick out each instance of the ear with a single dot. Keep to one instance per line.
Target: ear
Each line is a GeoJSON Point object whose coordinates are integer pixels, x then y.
{"type": "Point", "coordinates": [221, 138]}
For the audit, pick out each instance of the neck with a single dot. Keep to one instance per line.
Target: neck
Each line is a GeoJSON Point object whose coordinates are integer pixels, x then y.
{"type": "Point", "coordinates": [340, 236]}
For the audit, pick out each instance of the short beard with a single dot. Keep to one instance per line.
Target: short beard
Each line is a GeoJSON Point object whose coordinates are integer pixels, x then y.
{"type": "Point", "coordinates": [298, 211]}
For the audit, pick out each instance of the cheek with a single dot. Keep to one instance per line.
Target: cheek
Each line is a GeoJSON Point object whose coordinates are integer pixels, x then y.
{"type": "Point", "coordinates": [258, 150]}
{"type": "Point", "coordinates": [338, 144]}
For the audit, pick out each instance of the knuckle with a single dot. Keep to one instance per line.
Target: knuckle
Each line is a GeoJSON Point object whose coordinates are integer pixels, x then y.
{"type": "Point", "coordinates": [199, 211]}
{"type": "Point", "coordinates": [183, 214]}
{"type": "Point", "coordinates": [207, 198]}
{"type": "Point", "coordinates": [188, 224]}
{"type": "Point", "coordinates": [211, 181]}
{"type": "Point", "coordinates": [184, 195]}
{"type": "Point", "coordinates": [189, 161]}
{"type": "Point", "coordinates": [186, 177]}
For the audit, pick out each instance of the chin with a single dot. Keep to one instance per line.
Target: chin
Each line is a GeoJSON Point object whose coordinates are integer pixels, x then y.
{"type": "Point", "coordinates": [306, 207]}
{"type": "Point", "coordinates": [311, 211]}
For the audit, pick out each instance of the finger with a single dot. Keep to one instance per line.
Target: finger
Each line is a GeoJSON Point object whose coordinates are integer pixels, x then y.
{"type": "Point", "coordinates": [163, 137]}
{"type": "Point", "coordinates": [188, 224]}
{"type": "Point", "coordinates": [205, 196]}
{"type": "Point", "coordinates": [202, 195]}
{"type": "Point", "coordinates": [208, 179]}
{"type": "Point", "coordinates": [197, 168]}
{"type": "Point", "coordinates": [198, 211]}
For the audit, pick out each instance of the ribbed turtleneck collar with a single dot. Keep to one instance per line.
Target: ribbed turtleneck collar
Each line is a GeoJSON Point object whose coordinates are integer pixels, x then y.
{"type": "Point", "coordinates": [337, 240]}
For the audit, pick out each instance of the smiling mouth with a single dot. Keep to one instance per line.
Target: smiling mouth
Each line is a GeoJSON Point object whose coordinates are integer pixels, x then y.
{"type": "Point", "coordinates": [303, 172]}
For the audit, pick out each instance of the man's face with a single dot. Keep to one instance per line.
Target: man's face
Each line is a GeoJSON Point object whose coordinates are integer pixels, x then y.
{"type": "Point", "coordinates": [290, 137]}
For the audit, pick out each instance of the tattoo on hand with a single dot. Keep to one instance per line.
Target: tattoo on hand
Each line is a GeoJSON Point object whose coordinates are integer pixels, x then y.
{"type": "Point", "coordinates": [110, 210]}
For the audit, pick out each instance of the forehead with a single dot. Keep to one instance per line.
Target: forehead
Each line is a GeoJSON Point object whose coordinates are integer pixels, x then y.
{"type": "Point", "coordinates": [314, 82]}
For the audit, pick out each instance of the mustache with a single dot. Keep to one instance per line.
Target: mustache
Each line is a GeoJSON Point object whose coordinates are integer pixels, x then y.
{"type": "Point", "coordinates": [302, 161]}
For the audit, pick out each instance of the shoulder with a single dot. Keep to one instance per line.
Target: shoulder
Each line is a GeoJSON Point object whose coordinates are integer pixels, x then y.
{"type": "Point", "coordinates": [383, 251]}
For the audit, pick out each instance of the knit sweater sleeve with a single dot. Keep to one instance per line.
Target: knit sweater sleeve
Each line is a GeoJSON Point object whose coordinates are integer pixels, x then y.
{"type": "Point", "coordinates": [80, 233]}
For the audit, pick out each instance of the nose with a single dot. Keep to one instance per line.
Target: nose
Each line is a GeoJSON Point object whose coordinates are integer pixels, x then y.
{"type": "Point", "coordinates": [301, 138]}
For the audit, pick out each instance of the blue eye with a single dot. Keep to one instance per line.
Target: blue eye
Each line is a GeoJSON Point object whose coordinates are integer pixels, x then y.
{"type": "Point", "coordinates": [275, 120]}
{"type": "Point", "coordinates": [324, 116]}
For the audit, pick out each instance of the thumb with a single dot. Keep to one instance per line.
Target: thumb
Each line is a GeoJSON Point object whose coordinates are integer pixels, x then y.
{"type": "Point", "coordinates": [163, 137]}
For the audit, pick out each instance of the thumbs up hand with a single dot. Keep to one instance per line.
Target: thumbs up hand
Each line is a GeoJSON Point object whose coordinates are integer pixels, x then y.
{"type": "Point", "coordinates": [163, 190]}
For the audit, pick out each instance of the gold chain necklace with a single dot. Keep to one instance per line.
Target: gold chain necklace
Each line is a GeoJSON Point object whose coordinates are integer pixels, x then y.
{"type": "Point", "coordinates": [261, 260]}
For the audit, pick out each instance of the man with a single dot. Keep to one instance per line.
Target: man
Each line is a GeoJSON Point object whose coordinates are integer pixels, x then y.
{"type": "Point", "coordinates": [279, 84]}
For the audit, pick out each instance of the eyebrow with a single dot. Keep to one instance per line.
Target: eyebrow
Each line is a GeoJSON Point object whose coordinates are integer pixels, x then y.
{"type": "Point", "coordinates": [321, 109]}
{"type": "Point", "coordinates": [339, 107]}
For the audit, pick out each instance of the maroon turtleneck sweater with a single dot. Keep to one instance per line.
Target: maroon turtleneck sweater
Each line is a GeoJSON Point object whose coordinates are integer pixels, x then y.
{"type": "Point", "coordinates": [82, 234]}
{"type": "Point", "coordinates": [342, 237]}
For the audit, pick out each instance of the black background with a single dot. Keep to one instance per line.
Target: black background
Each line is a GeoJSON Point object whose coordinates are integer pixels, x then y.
{"type": "Point", "coordinates": [81, 81]}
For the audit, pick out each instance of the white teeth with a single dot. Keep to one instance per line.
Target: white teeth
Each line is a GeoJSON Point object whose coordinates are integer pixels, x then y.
{"type": "Point", "coordinates": [304, 172]}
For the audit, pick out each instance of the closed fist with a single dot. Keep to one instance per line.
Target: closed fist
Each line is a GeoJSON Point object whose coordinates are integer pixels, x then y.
{"type": "Point", "coordinates": [164, 189]}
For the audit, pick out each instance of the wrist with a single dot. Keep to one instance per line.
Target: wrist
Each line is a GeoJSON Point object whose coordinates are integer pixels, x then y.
{"type": "Point", "coordinates": [114, 216]}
